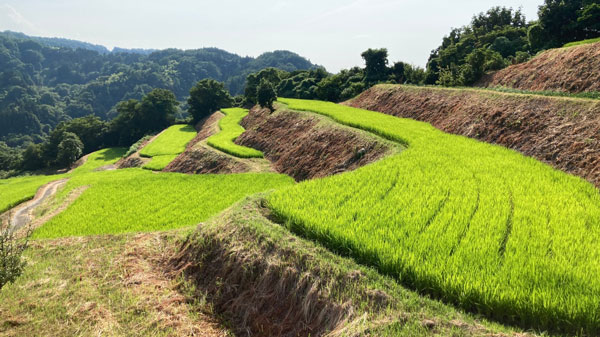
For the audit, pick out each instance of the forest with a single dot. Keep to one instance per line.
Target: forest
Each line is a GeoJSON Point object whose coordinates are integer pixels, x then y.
{"type": "Point", "coordinates": [46, 81]}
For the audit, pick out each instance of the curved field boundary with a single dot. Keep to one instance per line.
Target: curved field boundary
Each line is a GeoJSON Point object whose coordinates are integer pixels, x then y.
{"type": "Point", "coordinates": [167, 146]}
{"type": "Point", "coordinates": [475, 224]}
{"type": "Point", "coordinates": [230, 130]}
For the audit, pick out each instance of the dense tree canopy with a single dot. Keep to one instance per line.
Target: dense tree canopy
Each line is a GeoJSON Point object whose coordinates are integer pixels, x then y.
{"type": "Point", "coordinates": [563, 21]}
{"type": "Point", "coordinates": [491, 41]}
{"type": "Point", "coordinates": [375, 65]}
{"type": "Point", "coordinates": [318, 84]}
{"type": "Point", "coordinates": [265, 94]}
{"type": "Point", "coordinates": [206, 97]}
{"type": "Point", "coordinates": [45, 81]}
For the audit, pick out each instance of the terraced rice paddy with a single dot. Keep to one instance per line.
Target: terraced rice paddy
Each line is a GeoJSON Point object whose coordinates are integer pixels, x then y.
{"type": "Point", "coordinates": [472, 223]}
{"type": "Point", "coordinates": [14, 191]}
{"type": "Point", "coordinates": [167, 146]}
{"type": "Point", "coordinates": [230, 130]}
{"type": "Point", "coordinates": [136, 200]}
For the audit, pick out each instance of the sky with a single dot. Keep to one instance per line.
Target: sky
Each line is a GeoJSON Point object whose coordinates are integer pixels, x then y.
{"type": "Point", "coordinates": [331, 33]}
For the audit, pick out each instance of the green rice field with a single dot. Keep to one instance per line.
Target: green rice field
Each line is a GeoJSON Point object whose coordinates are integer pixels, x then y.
{"type": "Point", "coordinates": [167, 146]}
{"type": "Point", "coordinates": [230, 130]}
{"type": "Point", "coordinates": [472, 223]}
{"type": "Point", "coordinates": [136, 200]}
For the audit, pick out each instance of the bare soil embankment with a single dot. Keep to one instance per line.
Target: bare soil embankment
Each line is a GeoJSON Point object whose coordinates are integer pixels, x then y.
{"type": "Point", "coordinates": [306, 146]}
{"type": "Point", "coordinates": [562, 132]}
{"type": "Point", "coordinates": [199, 158]}
{"type": "Point", "coordinates": [574, 69]}
{"type": "Point", "coordinates": [266, 281]}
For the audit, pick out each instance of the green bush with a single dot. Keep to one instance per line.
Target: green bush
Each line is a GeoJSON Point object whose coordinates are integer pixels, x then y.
{"type": "Point", "coordinates": [11, 252]}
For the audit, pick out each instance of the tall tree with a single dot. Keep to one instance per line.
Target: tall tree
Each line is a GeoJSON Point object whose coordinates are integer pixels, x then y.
{"type": "Point", "coordinates": [69, 149]}
{"type": "Point", "coordinates": [566, 21]}
{"type": "Point", "coordinates": [206, 97]}
{"type": "Point", "coordinates": [265, 94]}
{"type": "Point", "coordinates": [376, 65]}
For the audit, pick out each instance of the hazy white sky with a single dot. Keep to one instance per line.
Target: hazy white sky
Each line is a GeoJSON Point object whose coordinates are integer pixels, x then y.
{"type": "Point", "coordinates": [332, 33]}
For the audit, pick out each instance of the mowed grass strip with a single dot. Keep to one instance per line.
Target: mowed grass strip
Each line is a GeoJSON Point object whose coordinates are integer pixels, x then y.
{"type": "Point", "coordinates": [230, 130]}
{"type": "Point", "coordinates": [472, 223]}
{"type": "Point", "coordinates": [167, 146]}
{"type": "Point", "coordinates": [136, 200]}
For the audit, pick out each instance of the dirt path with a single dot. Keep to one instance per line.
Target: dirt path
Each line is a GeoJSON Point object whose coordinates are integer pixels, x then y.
{"type": "Point", "coordinates": [23, 214]}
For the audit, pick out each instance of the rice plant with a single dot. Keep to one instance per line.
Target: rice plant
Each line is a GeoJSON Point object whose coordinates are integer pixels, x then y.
{"type": "Point", "coordinates": [475, 224]}
{"type": "Point", "coordinates": [230, 130]}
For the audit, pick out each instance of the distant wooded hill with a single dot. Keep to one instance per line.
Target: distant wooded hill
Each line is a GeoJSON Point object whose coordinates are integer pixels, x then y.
{"type": "Point", "coordinates": [47, 80]}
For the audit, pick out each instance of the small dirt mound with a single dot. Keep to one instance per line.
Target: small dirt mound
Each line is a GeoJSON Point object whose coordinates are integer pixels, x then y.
{"type": "Point", "coordinates": [306, 147]}
{"type": "Point", "coordinates": [574, 69]}
{"type": "Point", "coordinates": [132, 161]}
{"type": "Point", "coordinates": [202, 160]}
{"type": "Point", "coordinates": [562, 132]}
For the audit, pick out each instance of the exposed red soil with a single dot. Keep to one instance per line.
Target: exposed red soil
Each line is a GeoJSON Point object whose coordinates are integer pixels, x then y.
{"type": "Point", "coordinates": [574, 69]}
{"type": "Point", "coordinates": [562, 132]}
{"type": "Point", "coordinates": [299, 147]}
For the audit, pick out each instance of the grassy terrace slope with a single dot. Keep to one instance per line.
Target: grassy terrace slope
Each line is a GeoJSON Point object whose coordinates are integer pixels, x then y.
{"type": "Point", "coordinates": [473, 223]}
{"type": "Point", "coordinates": [574, 69]}
{"type": "Point", "coordinates": [230, 130]}
{"type": "Point", "coordinates": [167, 146]}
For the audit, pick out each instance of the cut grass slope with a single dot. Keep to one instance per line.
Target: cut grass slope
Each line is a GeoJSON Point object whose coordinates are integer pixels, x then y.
{"type": "Point", "coordinates": [230, 130]}
{"type": "Point", "coordinates": [575, 70]}
{"type": "Point", "coordinates": [475, 224]}
{"type": "Point", "coordinates": [167, 146]}
{"type": "Point", "coordinates": [132, 200]}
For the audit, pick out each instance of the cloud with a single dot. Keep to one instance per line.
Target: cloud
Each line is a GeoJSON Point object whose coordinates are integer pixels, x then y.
{"type": "Point", "coordinates": [11, 19]}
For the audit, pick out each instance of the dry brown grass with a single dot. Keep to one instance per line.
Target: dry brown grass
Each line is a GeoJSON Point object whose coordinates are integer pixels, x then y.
{"type": "Point", "coordinates": [574, 69]}
{"type": "Point", "coordinates": [101, 286]}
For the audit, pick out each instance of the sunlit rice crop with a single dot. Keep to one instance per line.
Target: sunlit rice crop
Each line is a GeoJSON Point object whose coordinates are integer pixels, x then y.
{"type": "Point", "coordinates": [230, 130]}
{"type": "Point", "coordinates": [475, 224]}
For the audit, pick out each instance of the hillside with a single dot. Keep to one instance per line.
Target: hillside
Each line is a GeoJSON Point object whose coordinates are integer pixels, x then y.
{"type": "Point", "coordinates": [572, 69]}
{"type": "Point", "coordinates": [559, 131]}
{"type": "Point", "coordinates": [423, 211]}
{"type": "Point", "coordinates": [42, 85]}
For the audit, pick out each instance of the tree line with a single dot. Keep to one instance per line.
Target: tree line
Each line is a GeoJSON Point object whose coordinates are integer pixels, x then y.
{"type": "Point", "coordinates": [502, 36]}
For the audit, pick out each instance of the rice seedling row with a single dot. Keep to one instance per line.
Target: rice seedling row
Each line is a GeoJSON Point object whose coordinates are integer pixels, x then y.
{"type": "Point", "coordinates": [230, 130]}
{"type": "Point", "coordinates": [472, 223]}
